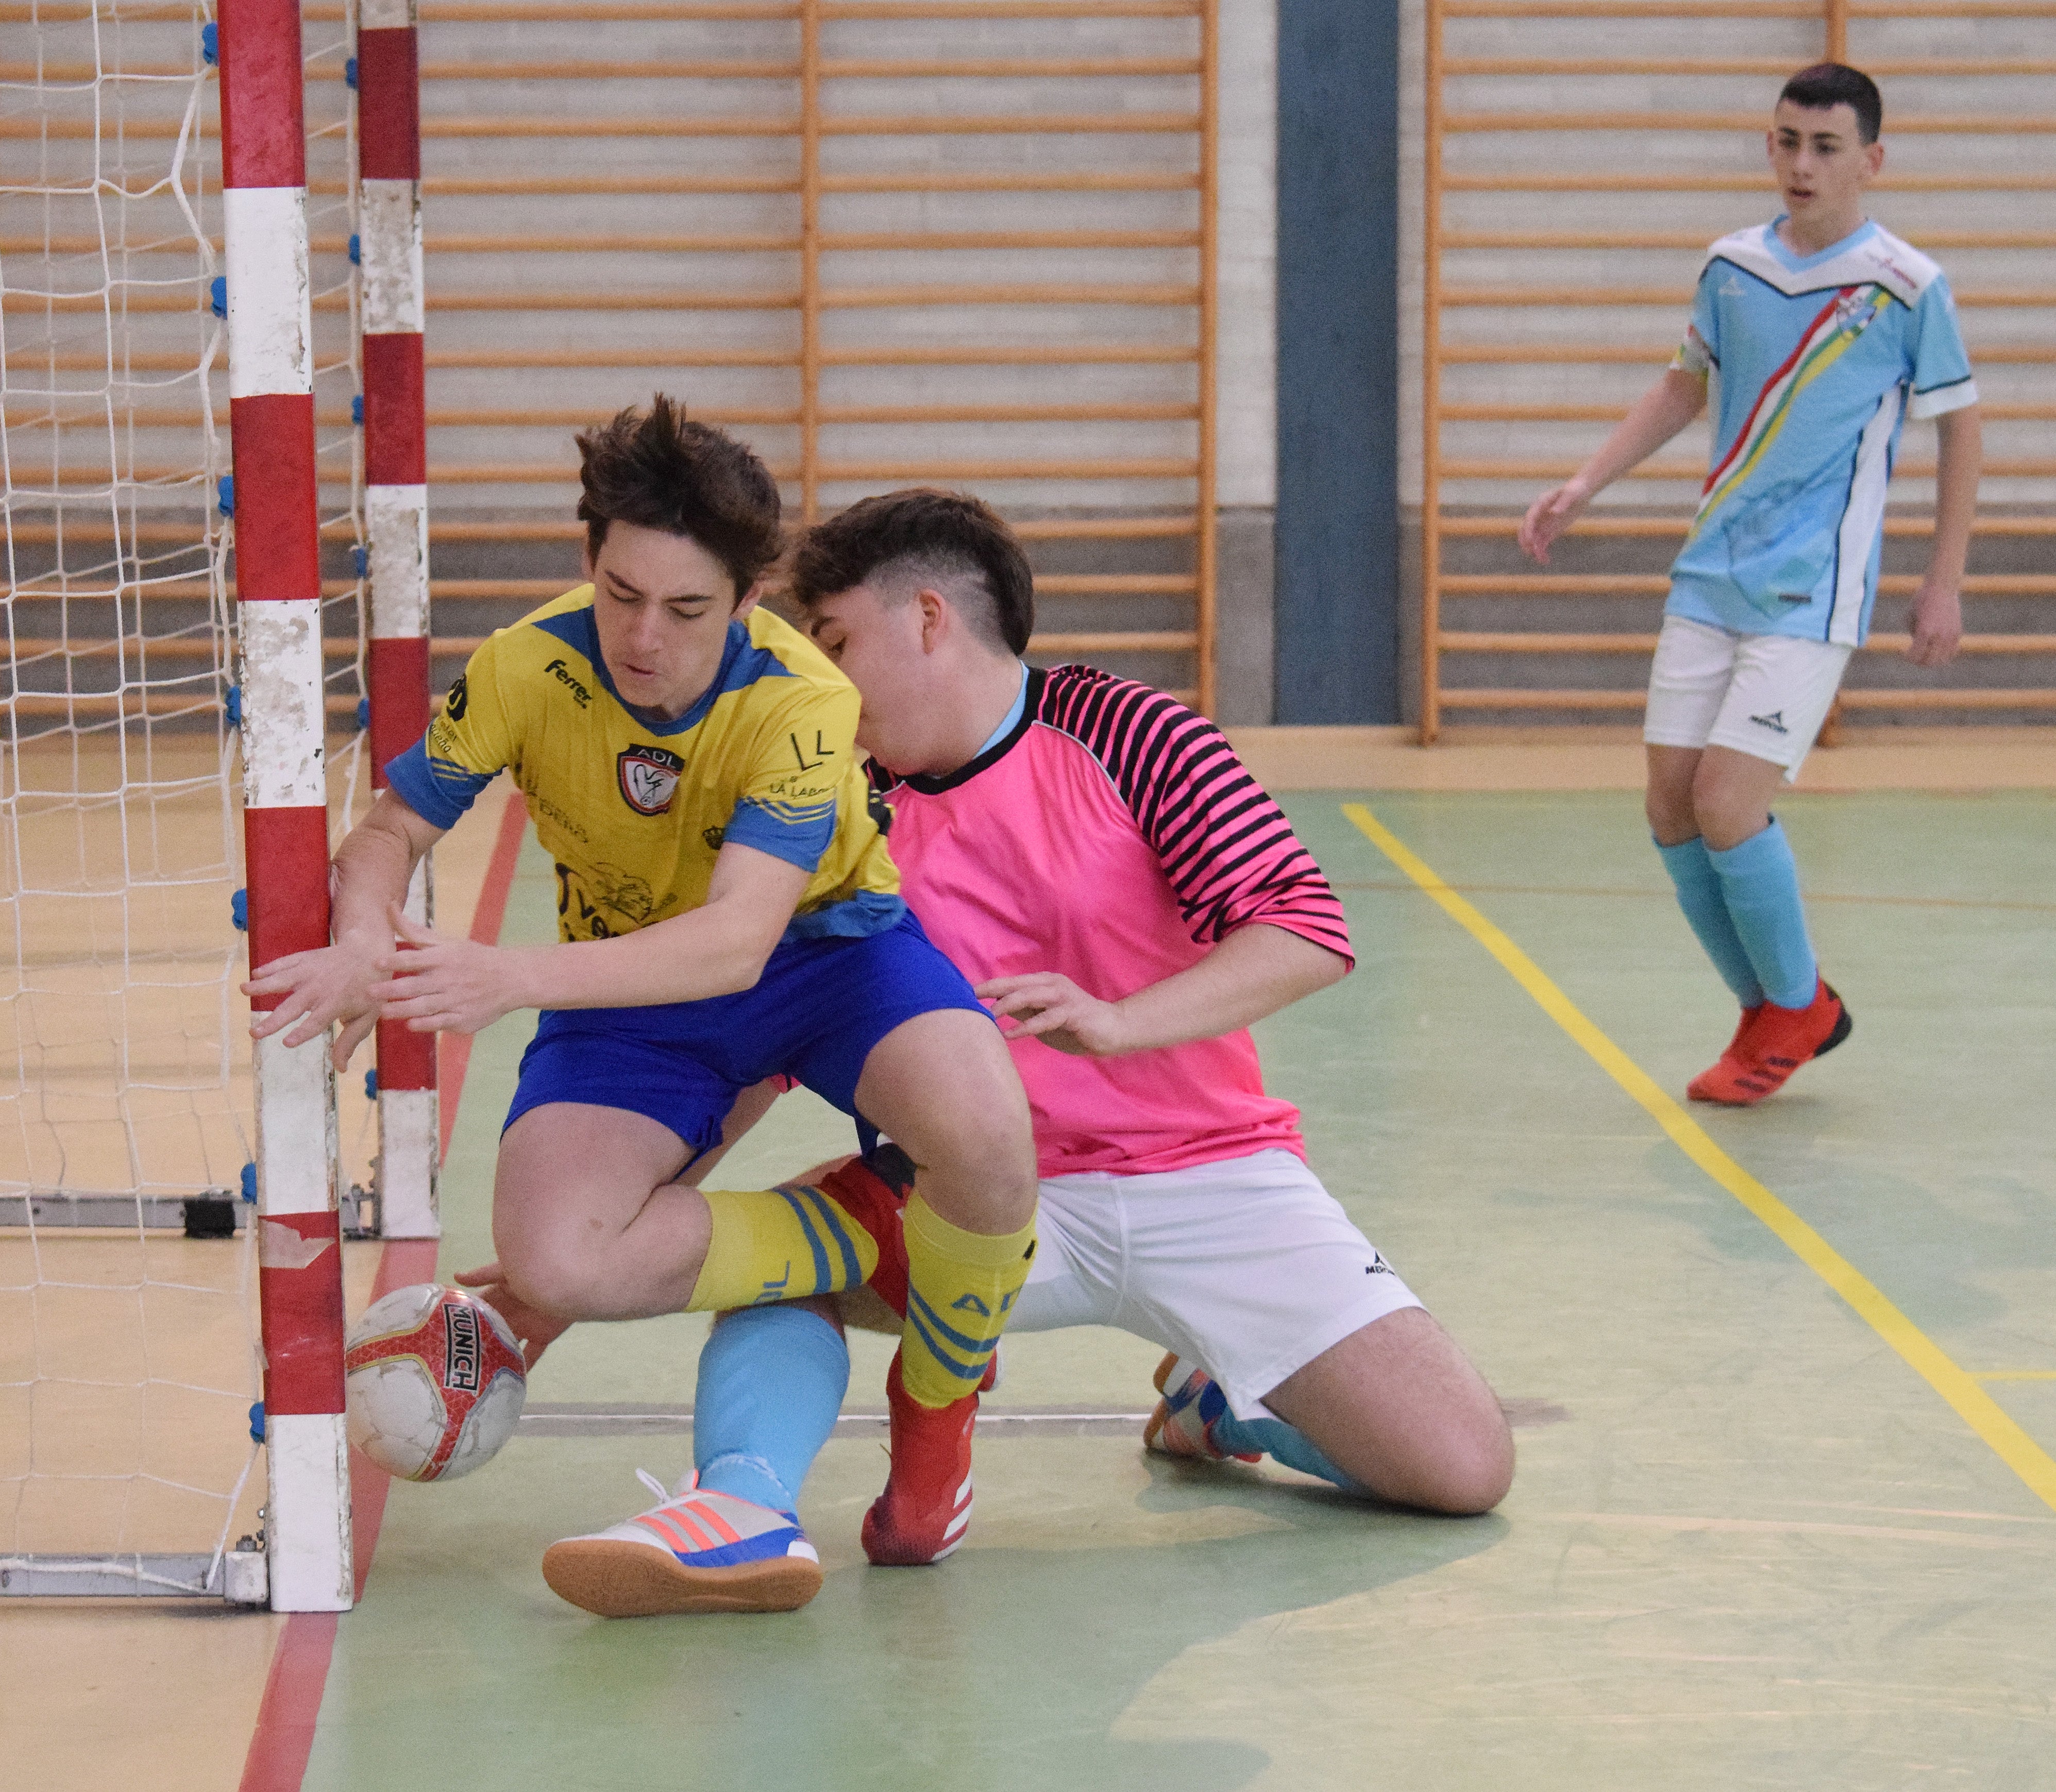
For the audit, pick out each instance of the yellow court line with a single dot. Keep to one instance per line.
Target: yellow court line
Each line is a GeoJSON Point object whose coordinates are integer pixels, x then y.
{"type": "Point", "coordinates": [2017, 1451]}
{"type": "Point", "coordinates": [2013, 1375]}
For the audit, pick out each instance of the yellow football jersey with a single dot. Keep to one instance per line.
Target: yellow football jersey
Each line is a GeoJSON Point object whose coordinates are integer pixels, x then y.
{"type": "Point", "coordinates": [633, 811]}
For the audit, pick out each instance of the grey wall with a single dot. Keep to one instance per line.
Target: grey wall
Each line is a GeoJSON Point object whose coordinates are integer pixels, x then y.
{"type": "Point", "coordinates": [1337, 546]}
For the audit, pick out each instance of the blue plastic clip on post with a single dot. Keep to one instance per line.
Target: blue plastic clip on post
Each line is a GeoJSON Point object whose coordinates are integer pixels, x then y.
{"type": "Point", "coordinates": [249, 1183]}
{"type": "Point", "coordinates": [360, 561]}
{"type": "Point", "coordinates": [357, 408]}
{"type": "Point", "coordinates": [256, 1421]}
{"type": "Point", "coordinates": [356, 248]}
{"type": "Point", "coordinates": [234, 705]}
{"type": "Point", "coordinates": [239, 911]}
{"type": "Point", "coordinates": [224, 495]}
{"type": "Point", "coordinates": [349, 72]}
{"type": "Point", "coordinates": [217, 295]}
{"type": "Point", "coordinates": [371, 1086]}
{"type": "Point", "coordinates": [363, 712]}
{"type": "Point", "coordinates": [210, 45]}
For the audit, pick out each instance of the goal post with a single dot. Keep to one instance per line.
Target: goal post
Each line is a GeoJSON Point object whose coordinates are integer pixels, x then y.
{"type": "Point", "coordinates": [278, 590]}
{"type": "Point", "coordinates": [389, 170]}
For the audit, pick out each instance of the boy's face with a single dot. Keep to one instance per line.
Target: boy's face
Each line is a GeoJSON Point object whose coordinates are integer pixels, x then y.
{"type": "Point", "coordinates": [880, 648]}
{"type": "Point", "coordinates": [661, 604]}
{"type": "Point", "coordinates": [1821, 162]}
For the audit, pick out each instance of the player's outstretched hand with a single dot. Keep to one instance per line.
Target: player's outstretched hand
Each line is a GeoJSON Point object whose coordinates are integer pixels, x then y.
{"type": "Point", "coordinates": [1938, 625]}
{"type": "Point", "coordinates": [1052, 1008]}
{"type": "Point", "coordinates": [537, 1331]}
{"type": "Point", "coordinates": [320, 988]}
{"type": "Point", "coordinates": [1549, 517]}
{"type": "Point", "coordinates": [436, 983]}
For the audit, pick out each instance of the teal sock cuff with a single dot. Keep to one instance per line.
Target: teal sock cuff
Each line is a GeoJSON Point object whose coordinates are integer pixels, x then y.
{"type": "Point", "coordinates": [1273, 1437]}
{"type": "Point", "coordinates": [748, 1478]}
{"type": "Point", "coordinates": [771, 1382]}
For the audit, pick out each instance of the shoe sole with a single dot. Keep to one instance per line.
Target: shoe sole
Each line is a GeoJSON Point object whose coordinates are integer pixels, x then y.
{"type": "Point", "coordinates": [617, 1579]}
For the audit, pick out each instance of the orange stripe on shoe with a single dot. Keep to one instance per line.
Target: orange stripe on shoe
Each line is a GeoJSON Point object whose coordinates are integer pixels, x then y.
{"type": "Point", "coordinates": [693, 1524]}
{"type": "Point", "coordinates": [719, 1525]}
{"type": "Point", "coordinates": [668, 1528]}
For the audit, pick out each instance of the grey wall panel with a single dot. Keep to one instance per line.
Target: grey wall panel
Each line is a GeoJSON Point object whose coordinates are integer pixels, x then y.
{"type": "Point", "coordinates": [1338, 554]}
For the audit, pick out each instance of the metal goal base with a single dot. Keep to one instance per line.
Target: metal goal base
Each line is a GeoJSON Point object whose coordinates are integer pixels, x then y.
{"type": "Point", "coordinates": [239, 1577]}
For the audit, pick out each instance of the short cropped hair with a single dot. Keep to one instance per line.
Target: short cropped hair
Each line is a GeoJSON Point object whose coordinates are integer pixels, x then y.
{"type": "Point", "coordinates": [1834, 83]}
{"type": "Point", "coordinates": [657, 470]}
{"type": "Point", "coordinates": [948, 540]}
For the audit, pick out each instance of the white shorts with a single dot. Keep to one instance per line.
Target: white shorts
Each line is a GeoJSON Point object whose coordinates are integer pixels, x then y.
{"type": "Point", "coordinates": [1765, 695]}
{"type": "Point", "coordinates": [1248, 1267]}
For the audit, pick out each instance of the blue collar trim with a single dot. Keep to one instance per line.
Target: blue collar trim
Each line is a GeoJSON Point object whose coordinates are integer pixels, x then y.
{"type": "Point", "coordinates": [1013, 717]}
{"type": "Point", "coordinates": [742, 664]}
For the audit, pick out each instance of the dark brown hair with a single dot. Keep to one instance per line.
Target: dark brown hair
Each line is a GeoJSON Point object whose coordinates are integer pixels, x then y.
{"type": "Point", "coordinates": [663, 472]}
{"type": "Point", "coordinates": [1826, 85]}
{"type": "Point", "coordinates": [930, 536]}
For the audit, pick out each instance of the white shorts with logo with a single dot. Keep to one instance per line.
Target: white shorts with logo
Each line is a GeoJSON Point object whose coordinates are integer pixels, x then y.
{"type": "Point", "coordinates": [1248, 1267]}
{"type": "Point", "coordinates": [1765, 695]}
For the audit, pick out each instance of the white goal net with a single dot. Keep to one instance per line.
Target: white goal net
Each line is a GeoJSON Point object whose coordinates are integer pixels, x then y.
{"type": "Point", "coordinates": [129, 1364]}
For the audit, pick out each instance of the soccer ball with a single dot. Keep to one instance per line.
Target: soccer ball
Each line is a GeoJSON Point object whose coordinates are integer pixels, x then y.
{"type": "Point", "coordinates": [434, 1382]}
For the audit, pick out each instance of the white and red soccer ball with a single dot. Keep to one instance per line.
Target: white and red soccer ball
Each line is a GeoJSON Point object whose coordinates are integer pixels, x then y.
{"type": "Point", "coordinates": [434, 1381]}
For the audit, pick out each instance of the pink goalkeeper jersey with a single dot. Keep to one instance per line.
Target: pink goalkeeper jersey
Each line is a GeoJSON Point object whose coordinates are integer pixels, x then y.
{"type": "Point", "coordinates": [1113, 836]}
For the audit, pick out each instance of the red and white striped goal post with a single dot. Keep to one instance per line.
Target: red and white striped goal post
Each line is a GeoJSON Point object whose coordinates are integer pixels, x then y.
{"type": "Point", "coordinates": [277, 555]}
{"type": "Point", "coordinates": [389, 153]}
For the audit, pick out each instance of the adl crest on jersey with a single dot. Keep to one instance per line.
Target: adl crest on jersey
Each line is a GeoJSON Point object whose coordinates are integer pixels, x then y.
{"type": "Point", "coordinates": [649, 776]}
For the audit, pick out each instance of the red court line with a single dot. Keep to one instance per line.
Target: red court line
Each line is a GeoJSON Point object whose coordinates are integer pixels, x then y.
{"type": "Point", "coordinates": [284, 1738]}
{"type": "Point", "coordinates": [453, 1049]}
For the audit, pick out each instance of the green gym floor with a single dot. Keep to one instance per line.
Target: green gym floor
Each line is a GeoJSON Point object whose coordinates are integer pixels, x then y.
{"type": "Point", "coordinates": [1750, 1542]}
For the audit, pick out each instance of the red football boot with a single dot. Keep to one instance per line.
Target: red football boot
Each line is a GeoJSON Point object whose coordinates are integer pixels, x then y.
{"type": "Point", "coordinates": [925, 1509]}
{"type": "Point", "coordinates": [875, 1201]}
{"type": "Point", "coordinates": [1779, 1040]}
{"type": "Point", "coordinates": [1733, 1060]}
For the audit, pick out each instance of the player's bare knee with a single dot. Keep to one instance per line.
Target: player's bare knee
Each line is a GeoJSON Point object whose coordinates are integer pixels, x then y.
{"type": "Point", "coordinates": [980, 1193]}
{"type": "Point", "coordinates": [1478, 1466]}
{"type": "Point", "coordinates": [1670, 815]}
{"type": "Point", "coordinates": [1464, 1468]}
{"type": "Point", "coordinates": [1728, 810]}
{"type": "Point", "coordinates": [550, 1277]}
{"type": "Point", "coordinates": [984, 1164]}
{"type": "Point", "coordinates": [1006, 1158]}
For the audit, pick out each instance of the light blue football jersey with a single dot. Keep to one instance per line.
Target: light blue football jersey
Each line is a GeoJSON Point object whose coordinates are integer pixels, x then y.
{"type": "Point", "coordinates": [1820, 359]}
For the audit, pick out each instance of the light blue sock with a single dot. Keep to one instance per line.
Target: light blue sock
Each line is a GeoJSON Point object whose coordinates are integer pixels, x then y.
{"type": "Point", "coordinates": [771, 1382]}
{"type": "Point", "coordinates": [1761, 882]}
{"type": "Point", "coordinates": [1273, 1436]}
{"type": "Point", "coordinates": [1706, 906]}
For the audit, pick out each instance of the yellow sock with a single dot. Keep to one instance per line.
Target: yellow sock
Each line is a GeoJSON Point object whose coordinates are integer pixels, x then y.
{"type": "Point", "coordinates": [779, 1244]}
{"type": "Point", "coordinates": [960, 1287]}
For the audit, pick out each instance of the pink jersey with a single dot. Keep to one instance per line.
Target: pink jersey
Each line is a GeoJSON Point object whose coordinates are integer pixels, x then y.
{"type": "Point", "coordinates": [1113, 836]}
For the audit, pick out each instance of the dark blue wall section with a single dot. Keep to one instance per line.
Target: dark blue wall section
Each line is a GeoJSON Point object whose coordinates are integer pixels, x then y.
{"type": "Point", "coordinates": [1337, 592]}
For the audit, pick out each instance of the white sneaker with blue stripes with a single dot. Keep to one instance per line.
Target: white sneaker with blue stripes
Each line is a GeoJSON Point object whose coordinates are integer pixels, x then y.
{"type": "Point", "coordinates": [695, 1551]}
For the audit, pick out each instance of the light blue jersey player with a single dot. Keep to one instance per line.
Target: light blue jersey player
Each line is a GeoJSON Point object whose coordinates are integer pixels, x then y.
{"type": "Point", "coordinates": [1817, 335]}
{"type": "Point", "coordinates": [1820, 358]}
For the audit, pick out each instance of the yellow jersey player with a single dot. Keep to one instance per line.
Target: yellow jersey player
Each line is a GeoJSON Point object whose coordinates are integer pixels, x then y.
{"type": "Point", "coordinates": [728, 913]}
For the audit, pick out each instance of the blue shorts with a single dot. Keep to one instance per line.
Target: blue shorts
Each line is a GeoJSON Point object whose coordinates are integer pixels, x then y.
{"type": "Point", "coordinates": [814, 1016]}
